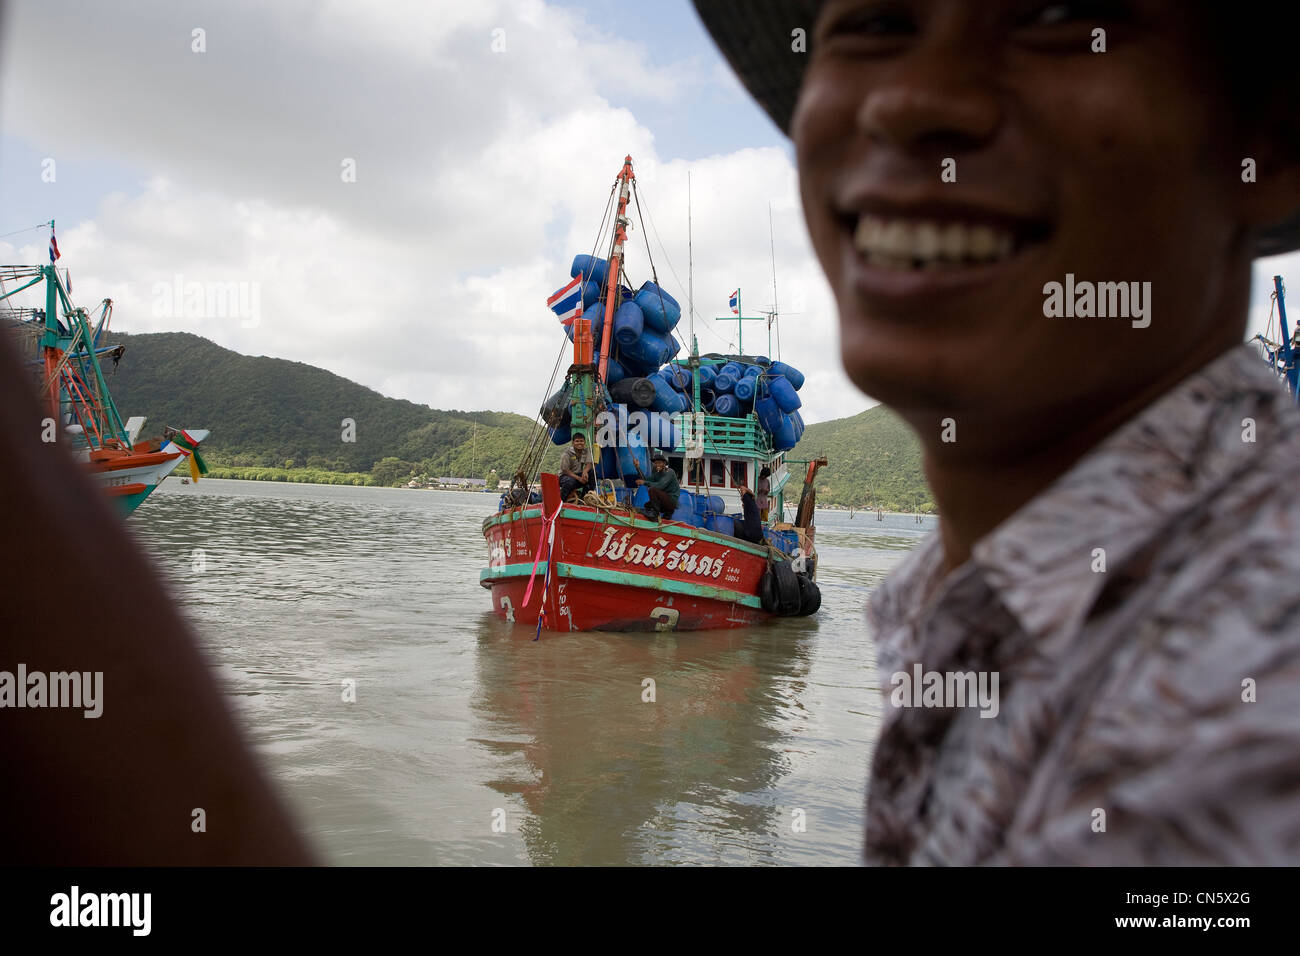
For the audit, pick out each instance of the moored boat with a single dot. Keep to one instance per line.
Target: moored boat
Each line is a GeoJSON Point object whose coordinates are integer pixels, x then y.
{"type": "Point", "coordinates": [599, 561]}
{"type": "Point", "coordinates": [81, 411]}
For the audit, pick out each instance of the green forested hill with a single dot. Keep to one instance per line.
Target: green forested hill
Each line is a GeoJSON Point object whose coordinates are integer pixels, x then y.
{"type": "Point", "coordinates": [875, 462]}
{"type": "Point", "coordinates": [266, 412]}
{"type": "Point", "coordinates": [272, 412]}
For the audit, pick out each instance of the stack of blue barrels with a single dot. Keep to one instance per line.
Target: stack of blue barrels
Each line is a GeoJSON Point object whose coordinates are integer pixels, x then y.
{"type": "Point", "coordinates": [768, 389]}
{"type": "Point", "coordinates": [641, 339]}
{"type": "Point", "coordinates": [640, 376]}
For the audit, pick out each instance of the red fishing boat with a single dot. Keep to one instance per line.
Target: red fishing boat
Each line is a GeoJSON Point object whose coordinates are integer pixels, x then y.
{"type": "Point", "coordinates": [724, 422]}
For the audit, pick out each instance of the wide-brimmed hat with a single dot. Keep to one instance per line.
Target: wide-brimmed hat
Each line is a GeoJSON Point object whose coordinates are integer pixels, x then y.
{"type": "Point", "coordinates": [758, 39]}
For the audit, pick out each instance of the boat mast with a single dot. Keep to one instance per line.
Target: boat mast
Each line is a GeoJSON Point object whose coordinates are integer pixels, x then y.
{"type": "Point", "coordinates": [615, 262]}
{"type": "Point", "coordinates": [1287, 353]}
{"type": "Point", "coordinates": [585, 374]}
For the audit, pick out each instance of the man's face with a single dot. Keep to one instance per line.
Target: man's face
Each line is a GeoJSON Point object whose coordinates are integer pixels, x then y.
{"type": "Point", "coordinates": [579, 445]}
{"type": "Point", "coordinates": [1113, 166]}
{"type": "Point", "coordinates": [659, 466]}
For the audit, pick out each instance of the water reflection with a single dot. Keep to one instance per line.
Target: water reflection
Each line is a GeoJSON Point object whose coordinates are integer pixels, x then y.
{"type": "Point", "coordinates": [607, 777]}
{"type": "Point", "coordinates": [458, 714]}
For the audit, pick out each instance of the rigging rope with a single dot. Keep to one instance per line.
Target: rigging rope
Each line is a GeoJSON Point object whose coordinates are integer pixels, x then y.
{"type": "Point", "coordinates": [668, 259]}
{"type": "Point", "coordinates": [535, 448]}
{"type": "Point", "coordinates": [40, 225]}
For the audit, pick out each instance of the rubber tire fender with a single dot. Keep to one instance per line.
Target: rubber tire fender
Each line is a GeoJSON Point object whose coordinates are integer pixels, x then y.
{"type": "Point", "coordinates": [767, 592]}
{"type": "Point", "coordinates": [810, 596]}
{"type": "Point", "coordinates": [787, 588]}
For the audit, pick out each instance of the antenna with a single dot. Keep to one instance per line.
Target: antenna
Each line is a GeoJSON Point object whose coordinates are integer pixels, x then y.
{"type": "Point", "coordinates": [771, 238]}
{"type": "Point", "coordinates": [690, 256]}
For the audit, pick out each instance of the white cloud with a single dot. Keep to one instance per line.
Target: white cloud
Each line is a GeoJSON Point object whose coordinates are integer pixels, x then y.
{"type": "Point", "coordinates": [479, 175]}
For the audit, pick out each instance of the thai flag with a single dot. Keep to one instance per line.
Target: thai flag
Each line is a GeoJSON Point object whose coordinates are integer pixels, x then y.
{"type": "Point", "coordinates": [567, 303]}
{"type": "Point", "coordinates": [54, 246]}
{"type": "Point", "coordinates": [735, 302]}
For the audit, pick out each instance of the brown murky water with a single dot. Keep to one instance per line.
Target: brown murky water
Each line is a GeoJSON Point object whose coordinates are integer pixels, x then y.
{"type": "Point", "coordinates": [470, 743]}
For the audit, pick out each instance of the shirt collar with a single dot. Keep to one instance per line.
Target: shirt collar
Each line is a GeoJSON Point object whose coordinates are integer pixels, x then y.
{"type": "Point", "coordinates": [1177, 452]}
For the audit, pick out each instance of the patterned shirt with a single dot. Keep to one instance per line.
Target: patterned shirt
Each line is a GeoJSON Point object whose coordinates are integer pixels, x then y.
{"type": "Point", "coordinates": [1142, 616]}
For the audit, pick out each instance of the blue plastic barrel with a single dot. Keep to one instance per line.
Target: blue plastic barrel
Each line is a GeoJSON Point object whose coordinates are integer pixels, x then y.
{"type": "Point", "coordinates": [667, 399]}
{"type": "Point", "coordinates": [787, 436]}
{"type": "Point", "coordinates": [734, 369]}
{"type": "Point", "coordinates": [785, 541]}
{"type": "Point", "coordinates": [562, 435]}
{"type": "Point", "coordinates": [769, 413]}
{"type": "Point", "coordinates": [678, 377]}
{"type": "Point", "coordinates": [661, 310]}
{"type": "Point", "coordinates": [614, 371]}
{"type": "Point", "coordinates": [628, 461]}
{"type": "Point", "coordinates": [641, 497]}
{"type": "Point", "coordinates": [665, 434]}
{"type": "Point", "coordinates": [649, 351]}
{"type": "Point", "coordinates": [729, 406]}
{"type": "Point", "coordinates": [591, 267]}
{"type": "Point", "coordinates": [789, 372]}
{"type": "Point", "coordinates": [590, 294]}
{"type": "Point", "coordinates": [723, 524]}
{"type": "Point", "coordinates": [628, 324]}
{"type": "Point", "coordinates": [609, 465]}
{"type": "Point", "coordinates": [723, 383]}
{"type": "Point", "coordinates": [708, 373]}
{"type": "Point", "coordinates": [685, 507]}
{"type": "Point", "coordinates": [784, 395]}
{"type": "Point", "coordinates": [707, 396]}
{"type": "Point", "coordinates": [798, 424]}
{"type": "Point", "coordinates": [746, 388]}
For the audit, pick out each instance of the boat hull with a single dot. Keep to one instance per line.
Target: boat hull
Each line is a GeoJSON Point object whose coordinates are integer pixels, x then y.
{"type": "Point", "coordinates": [610, 571]}
{"type": "Point", "coordinates": [130, 478]}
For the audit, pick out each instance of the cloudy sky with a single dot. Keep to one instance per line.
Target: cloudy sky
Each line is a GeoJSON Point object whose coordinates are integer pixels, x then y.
{"type": "Point", "coordinates": [485, 137]}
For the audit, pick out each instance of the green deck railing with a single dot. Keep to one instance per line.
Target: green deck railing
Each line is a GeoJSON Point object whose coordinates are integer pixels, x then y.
{"type": "Point", "coordinates": [734, 436]}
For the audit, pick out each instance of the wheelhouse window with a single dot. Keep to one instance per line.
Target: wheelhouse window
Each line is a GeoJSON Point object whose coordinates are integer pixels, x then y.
{"type": "Point", "coordinates": [718, 473]}
{"type": "Point", "coordinates": [739, 474]}
{"type": "Point", "coordinates": [675, 463]}
{"type": "Point", "coordinates": [696, 476]}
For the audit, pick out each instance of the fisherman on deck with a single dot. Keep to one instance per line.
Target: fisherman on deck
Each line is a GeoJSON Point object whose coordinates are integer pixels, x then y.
{"type": "Point", "coordinates": [750, 526]}
{"type": "Point", "coordinates": [764, 490]}
{"type": "Point", "coordinates": [576, 470]}
{"type": "Point", "coordinates": [663, 488]}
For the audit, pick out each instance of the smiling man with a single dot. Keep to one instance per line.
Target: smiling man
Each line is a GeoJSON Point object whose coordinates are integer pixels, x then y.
{"type": "Point", "coordinates": [1038, 220]}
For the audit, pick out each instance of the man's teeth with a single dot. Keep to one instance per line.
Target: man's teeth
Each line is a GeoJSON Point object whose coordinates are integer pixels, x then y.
{"type": "Point", "coordinates": [907, 243]}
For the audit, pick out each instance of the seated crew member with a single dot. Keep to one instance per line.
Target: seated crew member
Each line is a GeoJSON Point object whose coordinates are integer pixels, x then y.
{"type": "Point", "coordinates": [577, 473]}
{"type": "Point", "coordinates": [750, 526]}
{"type": "Point", "coordinates": [663, 488]}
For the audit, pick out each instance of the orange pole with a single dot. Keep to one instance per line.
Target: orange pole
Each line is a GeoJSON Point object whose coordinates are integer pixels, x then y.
{"type": "Point", "coordinates": [615, 260]}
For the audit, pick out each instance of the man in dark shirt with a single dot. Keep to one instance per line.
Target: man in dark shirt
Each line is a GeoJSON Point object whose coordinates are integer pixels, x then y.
{"type": "Point", "coordinates": [663, 488]}
{"type": "Point", "coordinates": [750, 526]}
